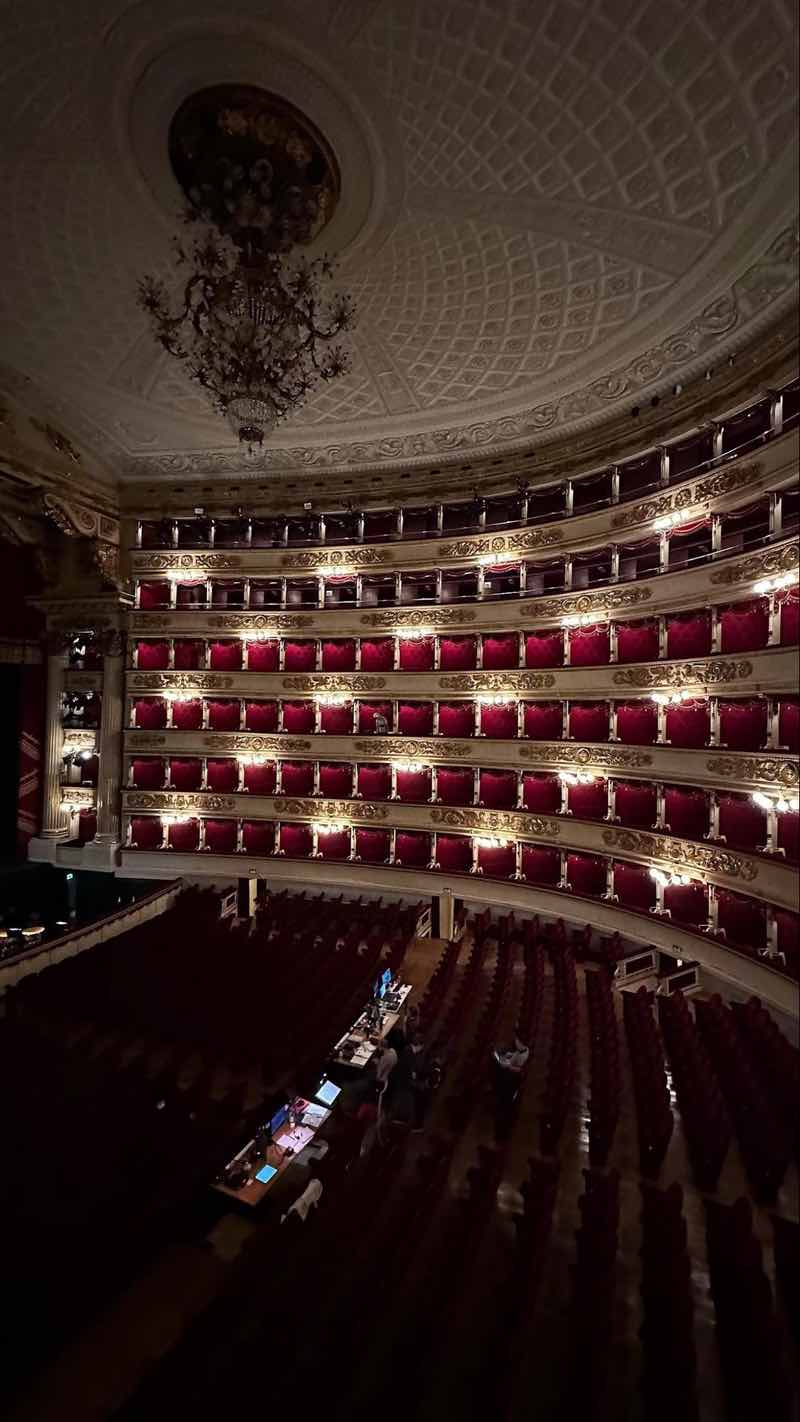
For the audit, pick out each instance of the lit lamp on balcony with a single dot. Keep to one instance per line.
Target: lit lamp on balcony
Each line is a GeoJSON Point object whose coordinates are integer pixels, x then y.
{"type": "Point", "coordinates": [666, 879]}
{"type": "Point", "coordinates": [778, 804]}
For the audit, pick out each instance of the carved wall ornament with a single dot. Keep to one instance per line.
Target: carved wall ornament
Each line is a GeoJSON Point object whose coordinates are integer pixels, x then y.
{"type": "Point", "coordinates": [350, 682]}
{"type": "Point", "coordinates": [80, 740]}
{"type": "Point", "coordinates": [180, 681]}
{"type": "Point", "coordinates": [711, 673]}
{"type": "Point", "coordinates": [246, 622]}
{"type": "Point", "coordinates": [348, 810]}
{"type": "Point", "coordinates": [434, 617]}
{"type": "Point", "coordinates": [502, 543]}
{"type": "Point", "coordinates": [725, 482]}
{"type": "Point", "coordinates": [497, 820]}
{"type": "Point", "coordinates": [145, 740]}
{"type": "Point", "coordinates": [705, 859]}
{"type": "Point", "coordinates": [610, 757]}
{"type": "Point", "coordinates": [403, 747]}
{"type": "Point", "coordinates": [760, 565]}
{"type": "Point", "coordinates": [342, 559]}
{"type": "Point", "coordinates": [77, 520]}
{"type": "Point", "coordinates": [165, 562]}
{"type": "Point", "coordinates": [613, 600]}
{"type": "Point", "coordinates": [150, 621]}
{"type": "Point", "coordinates": [497, 681]}
{"type": "Point", "coordinates": [78, 795]}
{"type": "Point", "coordinates": [256, 745]}
{"type": "Point", "coordinates": [105, 557]}
{"type": "Point", "coordinates": [780, 774]}
{"type": "Point", "coordinates": [59, 441]}
{"type": "Point", "coordinates": [168, 800]}
{"type": "Point", "coordinates": [83, 681]}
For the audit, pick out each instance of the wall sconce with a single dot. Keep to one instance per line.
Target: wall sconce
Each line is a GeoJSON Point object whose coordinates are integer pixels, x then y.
{"type": "Point", "coordinates": [585, 619]}
{"type": "Point", "coordinates": [251, 759]}
{"type": "Point", "coordinates": [577, 777]}
{"type": "Point", "coordinates": [265, 635]}
{"type": "Point", "coordinates": [491, 841]}
{"type": "Point", "coordinates": [781, 803]}
{"type": "Point", "coordinates": [414, 765]}
{"type": "Point", "coordinates": [672, 520]}
{"type": "Point", "coordinates": [773, 584]}
{"type": "Point", "coordinates": [674, 698]}
{"type": "Point", "coordinates": [669, 879]}
{"type": "Point", "coordinates": [329, 826]}
{"type": "Point", "coordinates": [414, 634]}
{"type": "Point", "coordinates": [332, 698]}
{"type": "Point", "coordinates": [497, 700]}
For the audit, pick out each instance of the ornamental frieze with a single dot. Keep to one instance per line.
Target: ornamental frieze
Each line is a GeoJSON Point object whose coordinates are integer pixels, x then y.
{"type": "Point", "coordinates": [612, 601]}
{"type": "Point", "coordinates": [166, 562]}
{"type": "Point", "coordinates": [77, 796]}
{"type": "Point", "coordinates": [256, 745]}
{"type": "Point", "coordinates": [279, 622]}
{"type": "Point", "coordinates": [145, 740]}
{"type": "Point", "coordinates": [180, 681]}
{"type": "Point", "coordinates": [348, 810]}
{"type": "Point", "coordinates": [150, 620]}
{"type": "Point", "coordinates": [351, 682]}
{"type": "Point", "coordinates": [725, 482]}
{"type": "Point", "coordinates": [80, 740]}
{"type": "Point", "coordinates": [502, 543]}
{"type": "Point", "coordinates": [435, 616]}
{"type": "Point", "coordinates": [83, 681]}
{"type": "Point", "coordinates": [712, 673]}
{"type": "Point", "coordinates": [403, 747]}
{"type": "Point", "coordinates": [760, 565]}
{"type": "Point", "coordinates": [497, 681]}
{"type": "Point", "coordinates": [343, 559]}
{"type": "Point", "coordinates": [166, 800]}
{"type": "Point", "coordinates": [494, 820]}
{"type": "Point", "coordinates": [611, 757]}
{"type": "Point", "coordinates": [681, 851]}
{"type": "Point", "coordinates": [782, 774]}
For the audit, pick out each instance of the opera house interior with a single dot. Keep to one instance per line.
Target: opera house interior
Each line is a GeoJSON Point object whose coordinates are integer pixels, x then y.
{"type": "Point", "coordinates": [399, 621]}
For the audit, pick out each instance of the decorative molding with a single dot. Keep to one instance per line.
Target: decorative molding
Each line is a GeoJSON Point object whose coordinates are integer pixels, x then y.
{"type": "Point", "coordinates": [83, 681]}
{"type": "Point", "coordinates": [348, 810]}
{"type": "Point", "coordinates": [503, 543]}
{"type": "Point", "coordinates": [612, 600]}
{"type": "Point", "coordinates": [563, 753]}
{"type": "Point", "coordinates": [493, 820]}
{"type": "Point", "coordinates": [322, 681]}
{"type": "Point", "coordinates": [681, 851]}
{"type": "Point", "coordinates": [710, 673]}
{"type": "Point", "coordinates": [78, 795]}
{"type": "Point", "coordinates": [780, 774]}
{"type": "Point", "coordinates": [76, 520]}
{"type": "Point", "coordinates": [180, 681]}
{"type": "Point", "coordinates": [434, 617]}
{"type": "Point", "coordinates": [167, 800]}
{"type": "Point", "coordinates": [151, 621]}
{"type": "Point", "coordinates": [760, 565]}
{"type": "Point", "coordinates": [725, 482]}
{"type": "Point", "coordinates": [80, 740]}
{"type": "Point", "coordinates": [497, 681]}
{"type": "Point", "coordinates": [272, 745]}
{"type": "Point", "coordinates": [146, 740]}
{"type": "Point", "coordinates": [245, 622]}
{"type": "Point", "coordinates": [403, 747]}
{"type": "Point", "coordinates": [344, 559]}
{"type": "Point", "coordinates": [164, 562]}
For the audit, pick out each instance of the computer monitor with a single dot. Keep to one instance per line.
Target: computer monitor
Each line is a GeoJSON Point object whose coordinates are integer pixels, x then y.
{"type": "Point", "coordinates": [278, 1119]}
{"type": "Point", "coordinates": [265, 1174]}
{"type": "Point", "coordinates": [387, 981]}
{"type": "Point", "coordinates": [379, 988]}
{"type": "Point", "coordinates": [327, 1092]}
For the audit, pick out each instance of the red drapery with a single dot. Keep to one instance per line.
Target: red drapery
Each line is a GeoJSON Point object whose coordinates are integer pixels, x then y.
{"type": "Point", "coordinates": [416, 653]}
{"type": "Point", "coordinates": [221, 836]}
{"type": "Point", "coordinates": [458, 653]}
{"type": "Point", "coordinates": [87, 825]}
{"type": "Point", "coordinates": [374, 782]}
{"type": "Point", "coordinates": [414, 786]}
{"type": "Point", "coordinates": [497, 863]}
{"type": "Point", "coordinates": [742, 824]}
{"type": "Point", "coordinates": [150, 713]}
{"type": "Point", "coordinates": [153, 595]}
{"type": "Point", "coordinates": [586, 874]}
{"type": "Point", "coordinates": [456, 719]}
{"type": "Point", "coordinates": [145, 831]}
{"type": "Point", "coordinates": [689, 635]}
{"type": "Point", "coordinates": [263, 656]}
{"type": "Point", "coordinates": [540, 865]}
{"type": "Point", "coordinates": [152, 656]}
{"type": "Point", "coordinates": [260, 779]}
{"type": "Point", "coordinates": [544, 649]}
{"type": "Point", "coordinates": [500, 652]}
{"type": "Point", "coordinates": [339, 656]}
{"type": "Point", "coordinates": [743, 920]}
{"type": "Point", "coordinates": [637, 723]}
{"type": "Point", "coordinates": [498, 789]}
{"type": "Point", "coordinates": [296, 841]}
{"type": "Point", "coordinates": [790, 623]}
{"type": "Point", "coordinates": [588, 802]}
{"type": "Point", "coordinates": [372, 845]}
{"type": "Point", "coordinates": [685, 812]}
{"type": "Point", "coordinates": [634, 887]}
{"type": "Point", "coordinates": [454, 785]}
{"type": "Point", "coordinates": [636, 803]}
{"type": "Point", "coordinates": [787, 925]}
{"type": "Point", "coordinates": [258, 837]}
{"type": "Point", "coordinates": [184, 837]}
{"type": "Point", "coordinates": [148, 772]}
{"type": "Point", "coordinates": [223, 715]}
{"type": "Point", "coordinates": [743, 724]}
{"type": "Point", "coordinates": [499, 722]}
{"type": "Point", "coordinates": [789, 834]}
{"type": "Point", "coordinates": [589, 646]}
{"type": "Point", "coordinates": [261, 715]}
{"type": "Point", "coordinates": [687, 903]}
{"type": "Point", "coordinates": [336, 780]}
{"type": "Point", "coordinates": [29, 783]}
{"type": "Point", "coordinates": [588, 721]}
{"type": "Point", "coordinates": [188, 653]}
{"type": "Point", "coordinates": [223, 775]}
{"type": "Point", "coordinates": [368, 710]}
{"type": "Point", "coordinates": [637, 641]}
{"type": "Point", "coordinates": [300, 656]}
{"type": "Point", "coordinates": [335, 844]}
{"type": "Point", "coordinates": [415, 718]}
{"type": "Point", "coordinates": [454, 853]}
{"type": "Point", "coordinates": [377, 654]}
{"type": "Point", "coordinates": [225, 656]}
{"type": "Point", "coordinates": [541, 793]}
{"type": "Point", "coordinates": [688, 725]}
{"type": "Point", "coordinates": [412, 848]}
{"type": "Point", "coordinates": [297, 777]}
{"type": "Point", "coordinates": [745, 626]}
{"type": "Point", "coordinates": [336, 720]}
{"type": "Point", "coordinates": [298, 717]}
{"type": "Point", "coordinates": [789, 723]}
{"type": "Point", "coordinates": [543, 720]}
{"type": "Point", "coordinates": [185, 772]}
{"type": "Point", "coordinates": [188, 715]}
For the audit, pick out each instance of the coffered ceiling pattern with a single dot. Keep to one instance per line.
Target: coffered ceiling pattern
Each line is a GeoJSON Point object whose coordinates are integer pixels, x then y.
{"type": "Point", "coordinates": [547, 209]}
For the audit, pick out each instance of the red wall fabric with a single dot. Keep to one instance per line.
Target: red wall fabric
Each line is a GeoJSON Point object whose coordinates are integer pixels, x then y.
{"type": "Point", "coordinates": [544, 649]}
{"type": "Point", "coordinates": [185, 837]}
{"type": "Point", "coordinates": [541, 866]}
{"type": "Point", "coordinates": [223, 775]}
{"type": "Point", "coordinates": [188, 653]}
{"type": "Point", "coordinates": [497, 863]}
{"type": "Point", "coordinates": [187, 715]}
{"type": "Point", "coordinates": [339, 655]}
{"type": "Point", "coordinates": [185, 772]}
{"type": "Point", "coordinates": [150, 713]}
{"type": "Point", "coordinates": [225, 655]}
{"type": "Point", "coordinates": [743, 724]}
{"type": "Point", "coordinates": [153, 595]}
{"type": "Point", "coordinates": [336, 720]}
{"type": "Point", "coordinates": [263, 656]}
{"type": "Point", "coordinates": [635, 803]}
{"type": "Point", "coordinates": [456, 719]}
{"type": "Point", "coordinates": [634, 887]}
{"type": "Point", "coordinates": [789, 834]}
{"type": "Point", "coordinates": [416, 653]}
{"type": "Point", "coordinates": [87, 826]}
{"type": "Point", "coordinates": [454, 853]}
{"type": "Point", "coordinates": [297, 777]}
{"type": "Point", "coordinates": [146, 831]}
{"type": "Point", "coordinates": [372, 845]}
{"type": "Point", "coordinates": [296, 841]}
{"type": "Point", "coordinates": [299, 656]}
{"type": "Point", "coordinates": [543, 720]}
{"type": "Point", "coordinates": [742, 824]}
{"type": "Point", "coordinates": [335, 844]}
{"type": "Point", "coordinates": [499, 723]}
{"type": "Point", "coordinates": [637, 723]}
{"type": "Point", "coordinates": [298, 717]}
{"type": "Point", "coordinates": [374, 782]}
{"type": "Point", "coordinates": [745, 626]}
{"type": "Point", "coordinates": [689, 635]}
{"type": "Point", "coordinates": [454, 785]}
{"type": "Point", "coordinates": [588, 802]}
{"type": "Point", "coordinates": [789, 723]}
{"type": "Point", "coordinates": [458, 653]}
{"type": "Point", "coordinates": [498, 789]}
{"type": "Point", "coordinates": [415, 718]}
{"type": "Point", "coordinates": [336, 780]}
{"type": "Point", "coordinates": [541, 793]}
{"type": "Point", "coordinates": [261, 715]}
{"type": "Point", "coordinates": [414, 786]}
{"type": "Point", "coordinates": [258, 837]}
{"type": "Point", "coordinates": [687, 903]}
{"type": "Point", "coordinates": [500, 652]}
{"type": "Point", "coordinates": [260, 779]}
{"type": "Point", "coordinates": [637, 641]}
{"type": "Point", "coordinates": [586, 874]}
{"type": "Point", "coordinates": [743, 920]}
{"type": "Point", "coordinates": [221, 836]}
{"type": "Point", "coordinates": [377, 654]}
{"type": "Point", "coordinates": [412, 848]}
{"type": "Point", "coordinates": [368, 710]}
{"type": "Point", "coordinates": [152, 656]}
{"type": "Point", "coordinates": [588, 721]}
{"type": "Point", "coordinates": [223, 715]}
{"type": "Point", "coordinates": [790, 622]}
{"type": "Point", "coordinates": [686, 812]}
{"type": "Point", "coordinates": [589, 646]}
{"type": "Point", "coordinates": [689, 725]}
{"type": "Point", "coordinates": [29, 781]}
{"type": "Point", "coordinates": [148, 772]}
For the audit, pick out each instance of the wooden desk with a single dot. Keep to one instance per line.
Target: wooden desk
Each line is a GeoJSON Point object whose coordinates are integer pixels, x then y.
{"type": "Point", "coordinates": [282, 1152]}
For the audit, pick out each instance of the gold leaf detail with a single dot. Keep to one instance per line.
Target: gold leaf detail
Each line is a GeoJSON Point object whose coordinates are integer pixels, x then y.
{"type": "Point", "coordinates": [681, 851]}
{"type": "Point", "coordinates": [759, 769]}
{"type": "Point", "coordinates": [760, 565]}
{"type": "Point", "coordinates": [711, 673]}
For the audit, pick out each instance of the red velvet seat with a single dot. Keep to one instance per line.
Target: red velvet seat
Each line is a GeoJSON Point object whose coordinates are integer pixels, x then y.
{"type": "Point", "coordinates": [298, 718]}
{"type": "Point", "coordinates": [372, 845]}
{"type": "Point", "coordinates": [377, 654]}
{"type": "Point", "coordinates": [453, 853]}
{"type": "Point", "coordinates": [541, 865]}
{"type": "Point", "coordinates": [188, 715]}
{"type": "Point", "coordinates": [299, 656]}
{"type": "Point", "coordinates": [146, 832]}
{"type": "Point", "coordinates": [261, 715]}
{"type": "Point", "coordinates": [297, 777]}
{"type": "Point", "coordinates": [544, 649]}
{"type": "Point", "coordinates": [412, 849]}
{"type": "Point", "coordinates": [416, 653]}
{"type": "Point", "coordinates": [225, 655]}
{"type": "Point", "coordinates": [223, 775]}
{"type": "Point", "coordinates": [374, 782]}
{"type": "Point", "coordinates": [263, 656]}
{"type": "Point", "coordinates": [339, 656]}
{"type": "Point", "coordinates": [543, 720]}
{"type": "Point", "coordinates": [458, 653]}
{"type": "Point", "coordinates": [457, 719]}
{"type": "Point", "coordinates": [185, 773]}
{"type": "Point", "coordinates": [455, 785]}
{"type": "Point", "coordinates": [541, 792]}
{"type": "Point", "coordinates": [152, 656]}
{"type": "Point", "coordinates": [336, 720]}
{"type": "Point", "coordinates": [150, 713]}
{"type": "Point", "coordinates": [498, 789]}
{"type": "Point", "coordinates": [223, 715]}
{"type": "Point", "coordinates": [500, 652]}
{"type": "Point", "coordinates": [148, 772]}
{"type": "Point", "coordinates": [260, 779]}
{"type": "Point", "coordinates": [637, 641]}
{"type": "Point", "coordinates": [258, 837]}
{"type": "Point", "coordinates": [296, 841]}
{"type": "Point", "coordinates": [637, 722]}
{"type": "Point", "coordinates": [221, 836]}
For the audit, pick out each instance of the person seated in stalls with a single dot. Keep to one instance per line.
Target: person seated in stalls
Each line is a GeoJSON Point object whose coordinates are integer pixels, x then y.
{"type": "Point", "coordinates": [509, 1065]}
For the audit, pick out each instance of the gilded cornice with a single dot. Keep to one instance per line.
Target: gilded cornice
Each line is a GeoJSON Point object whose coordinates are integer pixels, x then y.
{"type": "Point", "coordinates": [350, 811]}
{"type": "Point", "coordinates": [784, 559]}
{"type": "Point", "coordinates": [525, 541]}
{"type": "Point", "coordinates": [169, 800]}
{"type": "Point", "coordinates": [678, 852]}
{"type": "Point", "coordinates": [152, 621]}
{"type": "Point", "coordinates": [80, 740]}
{"type": "Point", "coordinates": [714, 672]}
{"type": "Point", "coordinates": [180, 681]}
{"type": "Point", "coordinates": [756, 770]}
{"type": "Point", "coordinates": [257, 622]}
{"type": "Point", "coordinates": [351, 682]}
{"type": "Point", "coordinates": [565, 753]}
{"type": "Point", "coordinates": [145, 740]}
{"type": "Point", "coordinates": [255, 745]}
{"type": "Point", "coordinates": [81, 796]}
{"type": "Point", "coordinates": [510, 681]}
{"type": "Point", "coordinates": [405, 748]}
{"type": "Point", "coordinates": [83, 681]}
{"type": "Point", "coordinates": [434, 617]}
{"type": "Point", "coordinates": [607, 601]}
{"type": "Point", "coordinates": [339, 559]}
{"type": "Point", "coordinates": [493, 821]}
{"type": "Point", "coordinates": [166, 562]}
{"type": "Point", "coordinates": [715, 486]}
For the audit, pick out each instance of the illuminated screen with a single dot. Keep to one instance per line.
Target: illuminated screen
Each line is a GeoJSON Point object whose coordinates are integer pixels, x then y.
{"type": "Point", "coordinates": [327, 1092]}
{"type": "Point", "coordinates": [266, 1173]}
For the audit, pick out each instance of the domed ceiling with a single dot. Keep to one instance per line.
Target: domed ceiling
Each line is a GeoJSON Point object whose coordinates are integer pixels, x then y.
{"type": "Point", "coordinates": [547, 211]}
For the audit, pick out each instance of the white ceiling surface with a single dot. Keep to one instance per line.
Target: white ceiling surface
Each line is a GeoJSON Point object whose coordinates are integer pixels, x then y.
{"type": "Point", "coordinates": [538, 198]}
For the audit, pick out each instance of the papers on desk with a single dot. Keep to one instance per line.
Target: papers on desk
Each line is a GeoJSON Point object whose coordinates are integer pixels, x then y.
{"type": "Point", "coordinates": [314, 1116]}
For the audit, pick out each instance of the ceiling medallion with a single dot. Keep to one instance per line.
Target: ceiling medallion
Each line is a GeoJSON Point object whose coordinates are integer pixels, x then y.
{"type": "Point", "coordinates": [254, 325]}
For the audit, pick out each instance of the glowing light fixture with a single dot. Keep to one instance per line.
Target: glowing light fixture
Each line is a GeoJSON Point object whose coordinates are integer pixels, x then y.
{"type": "Point", "coordinates": [773, 584]}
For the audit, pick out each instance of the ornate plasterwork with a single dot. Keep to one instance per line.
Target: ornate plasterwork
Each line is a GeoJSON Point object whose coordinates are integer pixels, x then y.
{"type": "Point", "coordinates": [168, 800]}
{"type": "Point", "coordinates": [503, 543]}
{"type": "Point", "coordinates": [492, 821]}
{"type": "Point", "coordinates": [350, 682]}
{"type": "Point", "coordinates": [497, 681]}
{"type": "Point", "coordinates": [77, 520]}
{"type": "Point", "coordinates": [716, 672]}
{"type": "Point", "coordinates": [179, 681]}
{"type": "Point", "coordinates": [348, 810]}
{"type": "Point", "coordinates": [83, 681]}
{"type": "Point", "coordinates": [736, 476]}
{"type": "Point", "coordinates": [205, 562]}
{"type": "Point", "coordinates": [151, 621]}
{"type": "Point", "coordinates": [250, 622]}
{"type": "Point", "coordinates": [80, 740]}
{"type": "Point", "coordinates": [682, 852]}
{"type": "Point", "coordinates": [145, 740]}
{"type": "Point", "coordinates": [785, 559]}
{"type": "Point", "coordinates": [612, 600]}
{"type": "Point", "coordinates": [339, 558]}
{"type": "Point", "coordinates": [256, 745]}
{"type": "Point", "coordinates": [433, 617]}
{"type": "Point", "coordinates": [562, 753]}
{"type": "Point", "coordinates": [406, 748]}
{"type": "Point", "coordinates": [757, 770]}
{"type": "Point", "coordinates": [78, 796]}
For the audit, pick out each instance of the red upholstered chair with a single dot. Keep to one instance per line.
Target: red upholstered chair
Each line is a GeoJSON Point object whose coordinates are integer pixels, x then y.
{"type": "Point", "coordinates": [296, 841]}
{"type": "Point", "coordinates": [742, 824]}
{"type": "Point", "coordinates": [297, 777]}
{"type": "Point", "coordinates": [336, 780]}
{"type": "Point", "coordinates": [221, 836]}
{"type": "Point", "coordinates": [414, 786]}
{"type": "Point", "coordinates": [154, 594]}
{"type": "Point", "coordinates": [298, 717]}
{"type": "Point", "coordinates": [261, 715]}
{"type": "Point", "coordinates": [634, 887]}
{"type": "Point", "coordinates": [743, 723]}
{"type": "Point", "coordinates": [541, 793]}
{"type": "Point", "coordinates": [334, 844]}
{"type": "Point", "coordinates": [148, 772]}
{"type": "Point", "coordinates": [150, 713]}
{"type": "Point", "coordinates": [685, 812]}
{"type": "Point", "coordinates": [336, 720]}
{"type": "Point", "coordinates": [416, 653]}
{"type": "Point", "coordinates": [637, 722]}
{"type": "Point", "coordinates": [689, 725]}
{"type": "Point", "coordinates": [368, 710]}
{"type": "Point", "coordinates": [184, 837]}
{"type": "Point", "coordinates": [790, 623]}
{"type": "Point", "coordinates": [263, 656]}
{"type": "Point", "coordinates": [586, 874]}
{"type": "Point", "coordinates": [188, 715]}
{"type": "Point", "coordinates": [498, 789]}
{"type": "Point", "coordinates": [258, 837]}
{"type": "Point", "coordinates": [87, 825]}
{"type": "Point", "coordinates": [635, 803]}
{"type": "Point", "coordinates": [689, 635]}
{"type": "Point", "coordinates": [541, 865]}
{"type": "Point", "coordinates": [339, 656]}
{"type": "Point", "coordinates": [225, 655]}
{"type": "Point", "coordinates": [188, 653]}
{"type": "Point", "coordinates": [500, 651]}
{"type": "Point", "coordinates": [544, 649]}
{"type": "Point", "coordinates": [372, 845]}
{"type": "Point", "coordinates": [499, 723]}
{"type": "Point", "coordinates": [543, 720]}
{"type": "Point", "coordinates": [299, 656]}
{"type": "Point", "coordinates": [588, 802]}
{"type": "Point", "coordinates": [374, 782]}
{"type": "Point", "coordinates": [497, 863]}
{"type": "Point", "coordinates": [789, 834]}
{"type": "Point", "coordinates": [743, 921]}
{"type": "Point", "coordinates": [453, 853]}
{"type": "Point", "coordinates": [413, 849]}
{"type": "Point", "coordinates": [260, 779]}
{"type": "Point", "coordinates": [224, 715]}
{"type": "Point", "coordinates": [146, 832]}
{"type": "Point", "coordinates": [745, 626]}
{"type": "Point", "coordinates": [223, 775]}
{"type": "Point", "coordinates": [458, 653]}
{"type": "Point", "coordinates": [687, 903]}
{"type": "Point", "coordinates": [789, 723]}
{"type": "Point", "coordinates": [455, 785]}
{"type": "Point", "coordinates": [415, 718]}
{"type": "Point", "coordinates": [637, 641]}
{"type": "Point", "coordinates": [377, 654]}
{"type": "Point", "coordinates": [588, 720]}
{"type": "Point", "coordinates": [152, 656]}
{"type": "Point", "coordinates": [185, 772]}
{"type": "Point", "coordinates": [457, 719]}
{"type": "Point", "coordinates": [589, 646]}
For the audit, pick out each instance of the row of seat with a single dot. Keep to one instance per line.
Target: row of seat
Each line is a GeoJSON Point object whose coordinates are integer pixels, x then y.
{"type": "Point", "coordinates": [654, 1119]}
{"type": "Point", "coordinates": [705, 1115]}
